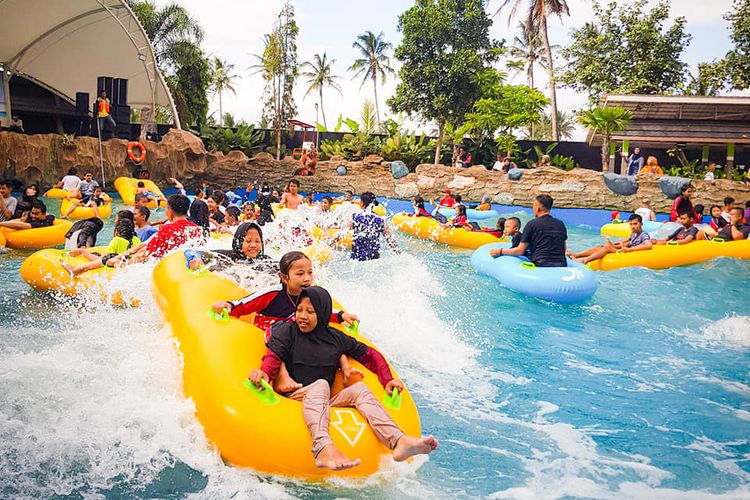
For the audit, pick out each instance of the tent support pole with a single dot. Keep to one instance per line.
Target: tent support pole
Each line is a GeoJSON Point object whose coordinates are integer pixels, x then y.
{"type": "Point", "coordinates": [101, 155]}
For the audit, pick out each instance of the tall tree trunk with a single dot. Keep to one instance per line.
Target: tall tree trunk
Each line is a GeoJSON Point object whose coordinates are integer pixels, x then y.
{"type": "Point", "coordinates": [439, 145]}
{"type": "Point", "coordinates": [605, 154]}
{"type": "Point", "coordinates": [322, 111]}
{"type": "Point", "coordinates": [377, 108]}
{"type": "Point", "coordinates": [530, 78]}
{"type": "Point", "coordinates": [277, 125]}
{"type": "Point", "coordinates": [221, 112]}
{"type": "Point", "coordinates": [551, 73]}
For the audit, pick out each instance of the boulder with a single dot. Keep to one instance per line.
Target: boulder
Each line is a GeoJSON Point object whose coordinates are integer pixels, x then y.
{"type": "Point", "coordinates": [515, 174]}
{"type": "Point", "coordinates": [341, 170]}
{"type": "Point", "coordinates": [671, 186]}
{"type": "Point", "coordinates": [373, 160]}
{"type": "Point", "coordinates": [399, 169]}
{"type": "Point", "coordinates": [624, 185]}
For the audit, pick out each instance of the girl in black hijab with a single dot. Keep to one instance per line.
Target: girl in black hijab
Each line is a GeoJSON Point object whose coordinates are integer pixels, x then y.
{"type": "Point", "coordinates": [247, 247]}
{"type": "Point", "coordinates": [311, 351]}
{"type": "Point", "coordinates": [27, 200]}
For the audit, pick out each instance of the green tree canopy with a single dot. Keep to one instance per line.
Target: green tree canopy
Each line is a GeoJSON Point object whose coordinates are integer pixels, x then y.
{"type": "Point", "coordinates": [446, 44]}
{"type": "Point", "coordinates": [319, 73]}
{"type": "Point", "coordinates": [738, 59]}
{"type": "Point", "coordinates": [627, 50]}
{"type": "Point", "coordinates": [374, 61]}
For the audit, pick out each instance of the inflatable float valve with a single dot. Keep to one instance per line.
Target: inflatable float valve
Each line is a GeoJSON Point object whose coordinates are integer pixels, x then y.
{"type": "Point", "coordinates": [222, 316]}
{"type": "Point", "coordinates": [267, 396]}
{"type": "Point", "coordinates": [393, 400]}
{"type": "Point", "coordinates": [354, 328]}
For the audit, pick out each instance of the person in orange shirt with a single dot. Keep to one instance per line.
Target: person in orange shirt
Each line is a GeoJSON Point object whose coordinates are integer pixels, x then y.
{"type": "Point", "coordinates": [652, 167]}
{"type": "Point", "coordinates": [103, 108]}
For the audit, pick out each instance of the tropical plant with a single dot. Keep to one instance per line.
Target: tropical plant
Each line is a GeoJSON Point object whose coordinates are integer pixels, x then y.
{"type": "Point", "coordinates": [627, 50]}
{"type": "Point", "coordinates": [528, 46]}
{"type": "Point", "coordinates": [542, 130]}
{"type": "Point", "coordinates": [319, 74]}
{"type": "Point", "coordinates": [278, 66]}
{"type": "Point", "coordinates": [710, 80]}
{"type": "Point", "coordinates": [244, 137]}
{"type": "Point", "coordinates": [738, 59]}
{"type": "Point", "coordinates": [175, 37]}
{"type": "Point", "coordinates": [354, 146]}
{"type": "Point", "coordinates": [445, 44]}
{"type": "Point", "coordinates": [606, 121]}
{"type": "Point", "coordinates": [374, 62]}
{"type": "Point", "coordinates": [368, 117]}
{"type": "Point", "coordinates": [408, 148]}
{"type": "Point", "coordinates": [339, 125]}
{"type": "Point", "coordinates": [538, 13]}
{"type": "Point", "coordinates": [222, 79]}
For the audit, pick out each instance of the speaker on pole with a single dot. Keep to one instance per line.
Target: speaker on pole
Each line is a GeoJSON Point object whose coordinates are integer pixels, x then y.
{"type": "Point", "coordinates": [82, 103]}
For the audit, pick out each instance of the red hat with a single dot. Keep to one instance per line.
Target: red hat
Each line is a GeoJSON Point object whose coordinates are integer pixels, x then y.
{"type": "Point", "coordinates": [446, 191]}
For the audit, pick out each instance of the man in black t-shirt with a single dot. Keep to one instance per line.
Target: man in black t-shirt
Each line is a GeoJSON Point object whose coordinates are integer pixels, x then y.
{"type": "Point", "coordinates": [736, 229]}
{"type": "Point", "coordinates": [686, 234]}
{"type": "Point", "coordinates": [543, 237]}
{"type": "Point", "coordinates": [31, 220]}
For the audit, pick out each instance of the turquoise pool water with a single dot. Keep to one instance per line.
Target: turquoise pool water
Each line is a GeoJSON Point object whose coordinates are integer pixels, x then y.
{"type": "Point", "coordinates": [644, 391]}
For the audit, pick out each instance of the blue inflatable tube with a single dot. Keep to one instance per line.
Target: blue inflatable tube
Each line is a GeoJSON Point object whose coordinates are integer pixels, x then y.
{"type": "Point", "coordinates": [471, 214]}
{"type": "Point", "coordinates": [566, 285]}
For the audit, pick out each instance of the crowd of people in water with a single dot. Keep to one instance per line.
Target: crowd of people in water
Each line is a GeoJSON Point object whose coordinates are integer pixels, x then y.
{"type": "Point", "coordinates": [304, 352]}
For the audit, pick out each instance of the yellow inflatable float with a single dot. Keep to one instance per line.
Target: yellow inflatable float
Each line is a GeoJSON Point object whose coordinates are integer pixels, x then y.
{"type": "Point", "coordinates": [42, 237]}
{"type": "Point", "coordinates": [57, 193]}
{"type": "Point", "coordinates": [337, 238]}
{"type": "Point", "coordinates": [2, 239]}
{"type": "Point", "coordinates": [42, 272]}
{"type": "Point", "coordinates": [128, 187]}
{"type": "Point", "coordinates": [428, 228]}
{"type": "Point", "coordinates": [267, 434]}
{"type": "Point", "coordinates": [81, 212]}
{"type": "Point", "coordinates": [666, 256]}
{"type": "Point", "coordinates": [378, 209]}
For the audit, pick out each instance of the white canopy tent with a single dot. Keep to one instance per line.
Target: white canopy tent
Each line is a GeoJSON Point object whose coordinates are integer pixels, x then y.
{"type": "Point", "coordinates": [64, 45]}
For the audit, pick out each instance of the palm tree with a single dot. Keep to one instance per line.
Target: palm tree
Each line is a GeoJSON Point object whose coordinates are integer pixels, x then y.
{"type": "Point", "coordinates": [319, 75]}
{"type": "Point", "coordinates": [542, 130]}
{"type": "Point", "coordinates": [223, 78]}
{"type": "Point", "coordinates": [374, 62]}
{"type": "Point", "coordinates": [606, 121]}
{"type": "Point", "coordinates": [529, 48]}
{"type": "Point", "coordinates": [539, 11]}
{"type": "Point", "coordinates": [168, 27]}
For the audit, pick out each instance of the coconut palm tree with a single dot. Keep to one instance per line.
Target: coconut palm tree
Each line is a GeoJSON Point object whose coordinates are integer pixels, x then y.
{"type": "Point", "coordinates": [542, 130]}
{"type": "Point", "coordinates": [606, 121]}
{"type": "Point", "coordinates": [168, 27]}
{"type": "Point", "coordinates": [538, 13]}
{"type": "Point", "coordinates": [529, 48]}
{"type": "Point", "coordinates": [223, 79]}
{"type": "Point", "coordinates": [374, 63]}
{"type": "Point", "coordinates": [319, 74]}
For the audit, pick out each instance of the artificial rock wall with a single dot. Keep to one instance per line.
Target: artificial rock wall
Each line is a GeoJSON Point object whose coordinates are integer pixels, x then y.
{"type": "Point", "coordinates": [46, 158]}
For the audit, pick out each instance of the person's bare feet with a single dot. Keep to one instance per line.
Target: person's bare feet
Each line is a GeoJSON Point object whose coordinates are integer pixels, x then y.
{"type": "Point", "coordinates": [331, 457]}
{"type": "Point", "coordinates": [408, 446]}
{"type": "Point", "coordinates": [285, 383]}
{"type": "Point", "coordinates": [352, 376]}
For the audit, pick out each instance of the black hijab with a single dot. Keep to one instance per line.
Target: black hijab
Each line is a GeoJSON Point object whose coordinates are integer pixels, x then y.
{"type": "Point", "coordinates": [323, 305]}
{"type": "Point", "coordinates": [199, 214]}
{"type": "Point", "coordinates": [26, 202]}
{"type": "Point", "coordinates": [236, 252]}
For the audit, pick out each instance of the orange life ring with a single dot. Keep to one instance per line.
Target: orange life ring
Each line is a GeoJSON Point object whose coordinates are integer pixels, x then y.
{"type": "Point", "coordinates": [142, 152]}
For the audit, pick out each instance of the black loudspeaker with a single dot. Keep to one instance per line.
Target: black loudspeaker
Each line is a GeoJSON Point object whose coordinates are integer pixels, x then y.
{"type": "Point", "coordinates": [123, 131]}
{"type": "Point", "coordinates": [104, 83]}
{"type": "Point", "coordinates": [121, 114]}
{"type": "Point", "coordinates": [113, 96]}
{"type": "Point", "coordinates": [122, 92]}
{"type": "Point", "coordinates": [82, 103]}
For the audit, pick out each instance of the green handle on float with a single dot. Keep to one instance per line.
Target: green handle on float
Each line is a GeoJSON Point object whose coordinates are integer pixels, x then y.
{"type": "Point", "coordinates": [354, 328]}
{"type": "Point", "coordinates": [198, 272]}
{"type": "Point", "coordinates": [393, 400]}
{"type": "Point", "coordinates": [673, 242]}
{"type": "Point", "coordinates": [267, 396]}
{"type": "Point", "coordinates": [719, 240]}
{"type": "Point", "coordinates": [222, 316]}
{"type": "Point", "coordinates": [528, 265]}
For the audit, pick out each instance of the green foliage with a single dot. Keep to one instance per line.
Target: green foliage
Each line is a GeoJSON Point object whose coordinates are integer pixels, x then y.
{"type": "Point", "coordinates": [627, 50]}
{"type": "Point", "coordinates": [444, 44]}
{"type": "Point", "coordinates": [408, 148]}
{"type": "Point", "coordinates": [606, 121]}
{"type": "Point", "coordinates": [373, 63]}
{"type": "Point", "coordinates": [189, 85]}
{"type": "Point", "coordinates": [354, 146]}
{"type": "Point", "coordinates": [244, 137]}
{"type": "Point", "coordinates": [222, 79]}
{"type": "Point", "coordinates": [738, 59]}
{"type": "Point", "coordinates": [502, 108]}
{"type": "Point", "coordinates": [319, 73]}
{"type": "Point", "coordinates": [711, 79]}
{"type": "Point", "coordinates": [542, 130]}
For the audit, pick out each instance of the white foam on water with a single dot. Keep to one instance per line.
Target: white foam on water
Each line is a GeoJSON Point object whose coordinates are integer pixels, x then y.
{"type": "Point", "coordinates": [729, 331]}
{"type": "Point", "coordinates": [728, 385]}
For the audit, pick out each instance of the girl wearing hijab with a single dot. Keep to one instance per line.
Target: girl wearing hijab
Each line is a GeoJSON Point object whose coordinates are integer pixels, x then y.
{"type": "Point", "coordinates": [635, 162]}
{"type": "Point", "coordinates": [123, 241]}
{"type": "Point", "coordinates": [26, 201]}
{"type": "Point", "coordinates": [199, 214]}
{"type": "Point", "coordinates": [368, 228]}
{"type": "Point", "coordinates": [311, 351]}
{"type": "Point", "coordinates": [247, 247]}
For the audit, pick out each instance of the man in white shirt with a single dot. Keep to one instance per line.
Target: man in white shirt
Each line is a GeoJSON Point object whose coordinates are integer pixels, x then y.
{"type": "Point", "coordinates": [710, 172]}
{"type": "Point", "coordinates": [7, 202]}
{"type": "Point", "coordinates": [645, 211]}
{"type": "Point", "coordinates": [728, 206]}
{"type": "Point", "coordinates": [70, 182]}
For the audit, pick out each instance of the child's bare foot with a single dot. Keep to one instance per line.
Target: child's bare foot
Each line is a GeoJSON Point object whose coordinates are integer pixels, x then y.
{"type": "Point", "coordinates": [285, 383]}
{"type": "Point", "coordinates": [352, 376]}
{"type": "Point", "coordinates": [331, 458]}
{"type": "Point", "coordinates": [408, 446]}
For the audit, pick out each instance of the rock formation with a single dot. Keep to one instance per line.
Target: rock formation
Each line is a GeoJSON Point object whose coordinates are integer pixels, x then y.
{"type": "Point", "coordinates": [46, 158]}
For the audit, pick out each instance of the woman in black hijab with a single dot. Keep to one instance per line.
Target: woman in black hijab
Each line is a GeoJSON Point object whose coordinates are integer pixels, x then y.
{"type": "Point", "coordinates": [27, 200]}
{"type": "Point", "coordinates": [311, 351]}
{"type": "Point", "coordinates": [247, 247]}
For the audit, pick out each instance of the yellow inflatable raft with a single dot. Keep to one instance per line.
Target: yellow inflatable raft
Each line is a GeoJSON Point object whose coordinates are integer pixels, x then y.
{"type": "Point", "coordinates": [81, 212]}
{"type": "Point", "coordinates": [428, 228]}
{"type": "Point", "coordinates": [337, 238]}
{"type": "Point", "coordinates": [57, 193]}
{"type": "Point", "coordinates": [378, 210]}
{"type": "Point", "coordinates": [666, 256]}
{"type": "Point", "coordinates": [42, 237]}
{"type": "Point", "coordinates": [128, 187]}
{"type": "Point", "coordinates": [42, 272]}
{"type": "Point", "coordinates": [2, 239]}
{"type": "Point", "coordinates": [268, 435]}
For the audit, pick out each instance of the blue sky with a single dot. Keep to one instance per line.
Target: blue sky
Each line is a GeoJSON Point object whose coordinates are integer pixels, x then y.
{"type": "Point", "coordinates": [234, 30]}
